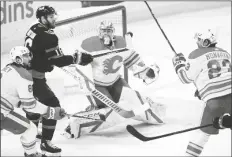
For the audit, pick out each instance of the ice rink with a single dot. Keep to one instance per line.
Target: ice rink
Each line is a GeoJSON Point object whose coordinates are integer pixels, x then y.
{"type": "Point", "coordinates": [183, 110]}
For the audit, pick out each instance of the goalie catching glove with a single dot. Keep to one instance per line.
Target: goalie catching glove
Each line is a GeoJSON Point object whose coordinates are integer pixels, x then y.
{"type": "Point", "coordinates": [56, 113]}
{"type": "Point", "coordinates": [82, 58]}
{"type": "Point", "coordinates": [149, 74]}
{"type": "Point", "coordinates": [179, 61]}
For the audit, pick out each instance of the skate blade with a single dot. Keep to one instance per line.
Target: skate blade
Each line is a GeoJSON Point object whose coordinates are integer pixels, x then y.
{"type": "Point", "coordinates": [48, 154]}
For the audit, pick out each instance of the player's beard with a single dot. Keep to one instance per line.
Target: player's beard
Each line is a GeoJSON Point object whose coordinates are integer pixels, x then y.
{"type": "Point", "coordinates": [51, 25]}
{"type": "Point", "coordinates": [28, 66]}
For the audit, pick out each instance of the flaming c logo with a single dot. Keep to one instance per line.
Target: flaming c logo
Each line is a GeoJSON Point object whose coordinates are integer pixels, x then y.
{"type": "Point", "coordinates": [112, 65]}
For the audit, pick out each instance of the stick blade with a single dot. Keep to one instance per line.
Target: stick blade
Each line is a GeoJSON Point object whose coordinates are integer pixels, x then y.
{"type": "Point", "coordinates": [135, 133]}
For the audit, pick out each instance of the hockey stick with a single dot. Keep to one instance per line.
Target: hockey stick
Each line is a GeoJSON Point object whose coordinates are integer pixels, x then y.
{"type": "Point", "coordinates": [101, 116]}
{"type": "Point", "coordinates": [143, 138]}
{"type": "Point", "coordinates": [110, 52]}
{"type": "Point", "coordinates": [105, 99]}
{"type": "Point", "coordinates": [128, 38]}
{"type": "Point", "coordinates": [160, 27]}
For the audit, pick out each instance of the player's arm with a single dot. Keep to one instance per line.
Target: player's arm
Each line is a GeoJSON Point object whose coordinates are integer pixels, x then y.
{"type": "Point", "coordinates": [185, 69]}
{"type": "Point", "coordinates": [140, 70]}
{"type": "Point", "coordinates": [61, 60]}
{"type": "Point", "coordinates": [28, 102]}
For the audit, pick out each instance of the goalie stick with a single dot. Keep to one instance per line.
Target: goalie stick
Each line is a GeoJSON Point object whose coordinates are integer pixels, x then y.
{"type": "Point", "coordinates": [101, 117]}
{"type": "Point", "coordinates": [128, 38]}
{"type": "Point", "coordinates": [143, 138]}
{"type": "Point", "coordinates": [105, 99]}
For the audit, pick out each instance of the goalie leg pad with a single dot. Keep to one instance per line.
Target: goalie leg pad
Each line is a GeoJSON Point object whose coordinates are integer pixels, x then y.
{"type": "Point", "coordinates": [82, 126]}
{"type": "Point", "coordinates": [131, 100]}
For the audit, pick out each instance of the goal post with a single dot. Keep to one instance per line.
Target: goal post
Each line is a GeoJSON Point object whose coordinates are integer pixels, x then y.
{"type": "Point", "coordinates": [85, 23]}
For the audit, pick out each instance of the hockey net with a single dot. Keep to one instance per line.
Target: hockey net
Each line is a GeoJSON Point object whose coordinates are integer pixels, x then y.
{"type": "Point", "coordinates": [75, 26]}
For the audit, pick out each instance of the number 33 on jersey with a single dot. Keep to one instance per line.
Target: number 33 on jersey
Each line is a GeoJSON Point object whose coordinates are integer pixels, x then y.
{"type": "Point", "coordinates": [210, 70]}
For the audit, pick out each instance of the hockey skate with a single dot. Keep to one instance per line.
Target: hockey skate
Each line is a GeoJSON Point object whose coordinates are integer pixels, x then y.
{"type": "Point", "coordinates": [48, 149]}
{"type": "Point", "coordinates": [33, 155]}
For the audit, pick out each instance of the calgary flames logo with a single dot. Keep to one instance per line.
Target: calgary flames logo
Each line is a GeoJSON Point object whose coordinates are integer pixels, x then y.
{"type": "Point", "coordinates": [112, 65]}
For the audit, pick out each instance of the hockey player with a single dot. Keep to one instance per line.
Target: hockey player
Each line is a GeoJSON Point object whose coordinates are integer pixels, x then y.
{"type": "Point", "coordinates": [16, 91]}
{"type": "Point", "coordinates": [43, 43]}
{"type": "Point", "coordinates": [209, 68]}
{"type": "Point", "coordinates": [107, 79]}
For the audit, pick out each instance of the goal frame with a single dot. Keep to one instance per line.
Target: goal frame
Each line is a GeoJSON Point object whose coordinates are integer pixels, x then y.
{"type": "Point", "coordinates": [98, 13]}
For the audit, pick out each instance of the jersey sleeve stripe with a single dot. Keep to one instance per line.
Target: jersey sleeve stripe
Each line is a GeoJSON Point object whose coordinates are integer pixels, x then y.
{"type": "Point", "coordinates": [183, 77]}
{"type": "Point", "coordinates": [28, 105]}
{"type": "Point", "coordinates": [131, 55]}
{"type": "Point", "coordinates": [135, 60]}
{"type": "Point", "coordinates": [215, 87]}
{"type": "Point", "coordinates": [51, 49]}
{"type": "Point", "coordinates": [6, 105]}
{"type": "Point", "coordinates": [214, 84]}
{"type": "Point", "coordinates": [27, 99]}
{"type": "Point", "coordinates": [131, 59]}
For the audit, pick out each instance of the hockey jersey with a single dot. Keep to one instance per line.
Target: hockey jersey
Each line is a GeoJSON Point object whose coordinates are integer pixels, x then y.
{"type": "Point", "coordinates": [17, 90]}
{"type": "Point", "coordinates": [106, 68]}
{"type": "Point", "coordinates": [210, 70]}
{"type": "Point", "coordinates": [44, 44]}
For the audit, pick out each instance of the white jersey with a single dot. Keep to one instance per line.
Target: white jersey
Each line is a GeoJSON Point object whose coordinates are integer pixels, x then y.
{"type": "Point", "coordinates": [210, 70]}
{"type": "Point", "coordinates": [17, 91]}
{"type": "Point", "coordinates": [106, 68]}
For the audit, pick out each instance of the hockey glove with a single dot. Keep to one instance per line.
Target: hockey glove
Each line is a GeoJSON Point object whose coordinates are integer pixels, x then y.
{"type": "Point", "coordinates": [151, 74]}
{"type": "Point", "coordinates": [82, 58]}
{"type": "Point", "coordinates": [225, 121]}
{"type": "Point", "coordinates": [178, 61]}
{"type": "Point", "coordinates": [55, 113]}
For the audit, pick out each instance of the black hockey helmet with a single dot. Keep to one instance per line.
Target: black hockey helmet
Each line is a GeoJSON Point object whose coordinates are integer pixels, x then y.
{"type": "Point", "coordinates": [44, 11]}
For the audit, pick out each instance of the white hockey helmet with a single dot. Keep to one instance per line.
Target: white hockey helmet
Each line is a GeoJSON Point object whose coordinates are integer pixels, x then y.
{"type": "Point", "coordinates": [106, 28]}
{"type": "Point", "coordinates": [21, 55]}
{"type": "Point", "coordinates": [205, 38]}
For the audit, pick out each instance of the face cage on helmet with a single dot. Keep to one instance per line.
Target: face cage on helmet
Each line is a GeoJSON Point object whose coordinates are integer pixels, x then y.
{"type": "Point", "coordinates": [102, 33]}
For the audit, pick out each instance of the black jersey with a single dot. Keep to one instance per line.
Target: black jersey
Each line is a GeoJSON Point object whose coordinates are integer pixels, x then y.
{"type": "Point", "coordinates": [43, 43]}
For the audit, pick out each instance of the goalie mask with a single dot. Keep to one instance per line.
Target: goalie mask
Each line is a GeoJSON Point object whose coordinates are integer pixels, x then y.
{"type": "Point", "coordinates": [106, 33]}
{"type": "Point", "coordinates": [21, 56]}
{"type": "Point", "coordinates": [205, 38]}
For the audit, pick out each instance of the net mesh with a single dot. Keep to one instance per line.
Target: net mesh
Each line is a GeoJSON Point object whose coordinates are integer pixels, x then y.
{"type": "Point", "coordinates": [72, 34]}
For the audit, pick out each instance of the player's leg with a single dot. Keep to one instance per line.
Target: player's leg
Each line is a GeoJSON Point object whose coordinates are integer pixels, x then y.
{"type": "Point", "coordinates": [80, 126]}
{"type": "Point", "coordinates": [20, 125]}
{"type": "Point", "coordinates": [131, 99]}
{"type": "Point", "coordinates": [215, 107]}
{"type": "Point", "coordinates": [34, 117]}
{"type": "Point", "coordinates": [45, 95]}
